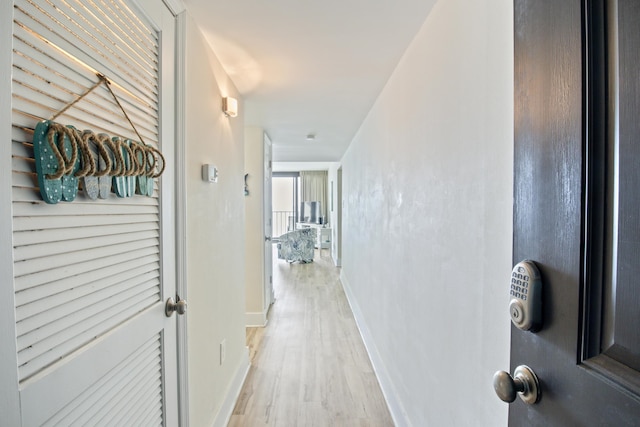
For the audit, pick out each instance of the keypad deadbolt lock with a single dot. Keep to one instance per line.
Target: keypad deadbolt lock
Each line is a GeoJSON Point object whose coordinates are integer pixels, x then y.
{"type": "Point", "coordinates": [525, 305]}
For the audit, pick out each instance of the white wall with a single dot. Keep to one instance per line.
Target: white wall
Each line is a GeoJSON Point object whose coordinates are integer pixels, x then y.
{"type": "Point", "coordinates": [427, 219]}
{"type": "Point", "coordinates": [215, 238]}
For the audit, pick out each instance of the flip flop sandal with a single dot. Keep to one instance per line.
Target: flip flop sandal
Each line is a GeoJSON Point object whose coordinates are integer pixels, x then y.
{"type": "Point", "coordinates": [141, 178]}
{"type": "Point", "coordinates": [118, 179]}
{"type": "Point", "coordinates": [122, 184]}
{"type": "Point", "coordinates": [155, 168]}
{"type": "Point", "coordinates": [133, 166]}
{"type": "Point", "coordinates": [105, 181]}
{"type": "Point", "coordinates": [46, 156]}
{"type": "Point", "coordinates": [149, 171]}
{"type": "Point", "coordinates": [70, 180]}
{"type": "Point", "coordinates": [91, 182]}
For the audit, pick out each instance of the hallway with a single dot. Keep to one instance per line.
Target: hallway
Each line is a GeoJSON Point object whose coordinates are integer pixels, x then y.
{"type": "Point", "coordinates": [309, 366]}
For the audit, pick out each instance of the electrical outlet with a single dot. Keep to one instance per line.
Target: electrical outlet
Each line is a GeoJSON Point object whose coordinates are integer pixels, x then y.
{"type": "Point", "coordinates": [223, 351]}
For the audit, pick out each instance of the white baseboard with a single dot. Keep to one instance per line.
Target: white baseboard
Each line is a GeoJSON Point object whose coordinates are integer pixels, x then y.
{"type": "Point", "coordinates": [226, 410]}
{"type": "Point", "coordinates": [256, 319]}
{"type": "Point", "coordinates": [398, 414]}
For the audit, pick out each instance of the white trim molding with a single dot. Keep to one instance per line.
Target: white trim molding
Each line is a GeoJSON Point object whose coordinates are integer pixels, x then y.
{"type": "Point", "coordinates": [175, 6]}
{"type": "Point", "coordinates": [181, 215]}
{"type": "Point", "coordinates": [9, 395]}
{"type": "Point", "coordinates": [257, 319]}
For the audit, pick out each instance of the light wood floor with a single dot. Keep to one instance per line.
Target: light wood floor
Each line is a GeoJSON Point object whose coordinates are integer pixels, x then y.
{"type": "Point", "coordinates": [309, 366]}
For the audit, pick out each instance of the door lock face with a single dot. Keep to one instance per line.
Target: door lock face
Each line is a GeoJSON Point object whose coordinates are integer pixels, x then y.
{"type": "Point", "coordinates": [525, 306]}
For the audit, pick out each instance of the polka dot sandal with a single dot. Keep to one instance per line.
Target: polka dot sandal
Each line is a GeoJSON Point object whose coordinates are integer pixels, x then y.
{"type": "Point", "coordinates": [46, 164]}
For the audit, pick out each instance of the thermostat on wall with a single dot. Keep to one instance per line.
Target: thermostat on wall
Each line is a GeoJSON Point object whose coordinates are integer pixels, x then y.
{"type": "Point", "coordinates": [209, 173]}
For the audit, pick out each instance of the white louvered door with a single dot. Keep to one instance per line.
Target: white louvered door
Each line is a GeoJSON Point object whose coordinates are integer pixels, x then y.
{"type": "Point", "coordinates": [93, 345]}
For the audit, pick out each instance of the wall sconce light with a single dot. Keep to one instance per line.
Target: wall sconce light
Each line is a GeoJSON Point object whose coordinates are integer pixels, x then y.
{"type": "Point", "coordinates": [230, 106]}
{"type": "Point", "coordinates": [209, 173]}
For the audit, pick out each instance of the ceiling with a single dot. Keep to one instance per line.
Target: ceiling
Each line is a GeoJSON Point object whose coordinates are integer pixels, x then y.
{"type": "Point", "coordinates": [309, 67]}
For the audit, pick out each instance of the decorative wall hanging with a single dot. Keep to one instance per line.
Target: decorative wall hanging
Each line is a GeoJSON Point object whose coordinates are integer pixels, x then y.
{"type": "Point", "coordinates": [64, 155]}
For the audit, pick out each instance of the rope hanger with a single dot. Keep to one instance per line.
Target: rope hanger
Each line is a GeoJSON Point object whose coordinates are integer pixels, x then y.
{"type": "Point", "coordinates": [102, 79]}
{"type": "Point", "coordinates": [64, 154]}
{"type": "Point", "coordinates": [143, 158]}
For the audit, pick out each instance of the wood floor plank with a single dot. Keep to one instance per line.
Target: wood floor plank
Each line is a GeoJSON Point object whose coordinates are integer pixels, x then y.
{"type": "Point", "coordinates": [309, 366]}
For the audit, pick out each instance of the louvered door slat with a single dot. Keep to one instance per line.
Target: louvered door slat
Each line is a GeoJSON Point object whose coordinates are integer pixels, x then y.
{"type": "Point", "coordinates": [129, 206]}
{"type": "Point", "coordinates": [150, 417]}
{"type": "Point", "coordinates": [35, 327]}
{"type": "Point", "coordinates": [140, 379]}
{"type": "Point", "coordinates": [44, 64]}
{"type": "Point", "coordinates": [80, 324]}
{"type": "Point", "coordinates": [58, 235]}
{"type": "Point", "coordinates": [33, 360]}
{"type": "Point", "coordinates": [131, 398]}
{"type": "Point", "coordinates": [70, 79]}
{"type": "Point", "coordinates": [131, 37]}
{"type": "Point", "coordinates": [33, 301]}
{"type": "Point", "coordinates": [86, 114]}
{"type": "Point", "coordinates": [55, 261]}
{"type": "Point", "coordinates": [100, 114]}
{"type": "Point", "coordinates": [95, 289]}
{"type": "Point", "coordinates": [34, 252]}
{"type": "Point", "coordinates": [101, 396]}
{"type": "Point", "coordinates": [99, 31]}
{"type": "Point", "coordinates": [123, 17]}
{"type": "Point", "coordinates": [22, 177]}
{"type": "Point", "coordinates": [103, 391]}
{"type": "Point", "coordinates": [32, 17]}
{"type": "Point", "coordinates": [35, 223]}
{"type": "Point", "coordinates": [60, 279]}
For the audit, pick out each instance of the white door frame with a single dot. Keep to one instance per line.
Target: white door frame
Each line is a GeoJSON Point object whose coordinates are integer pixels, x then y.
{"type": "Point", "coordinates": [181, 212]}
{"type": "Point", "coordinates": [9, 394]}
{"type": "Point", "coordinates": [267, 221]}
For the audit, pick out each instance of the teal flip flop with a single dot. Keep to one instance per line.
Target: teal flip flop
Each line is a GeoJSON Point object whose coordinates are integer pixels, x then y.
{"type": "Point", "coordinates": [46, 156]}
{"type": "Point", "coordinates": [125, 185]}
{"type": "Point", "coordinates": [141, 158]}
{"type": "Point", "coordinates": [131, 179]}
{"type": "Point", "coordinates": [149, 169]}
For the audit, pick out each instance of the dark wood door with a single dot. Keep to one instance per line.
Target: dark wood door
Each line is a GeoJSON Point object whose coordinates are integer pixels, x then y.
{"type": "Point", "coordinates": [577, 207]}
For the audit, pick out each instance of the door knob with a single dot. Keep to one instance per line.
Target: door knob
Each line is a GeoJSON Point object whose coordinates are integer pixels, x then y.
{"type": "Point", "coordinates": [180, 307]}
{"type": "Point", "coordinates": [524, 383]}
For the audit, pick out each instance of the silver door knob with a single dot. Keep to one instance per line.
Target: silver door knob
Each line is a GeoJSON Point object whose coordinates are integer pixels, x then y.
{"type": "Point", "coordinates": [180, 307]}
{"type": "Point", "coordinates": [524, 383]}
